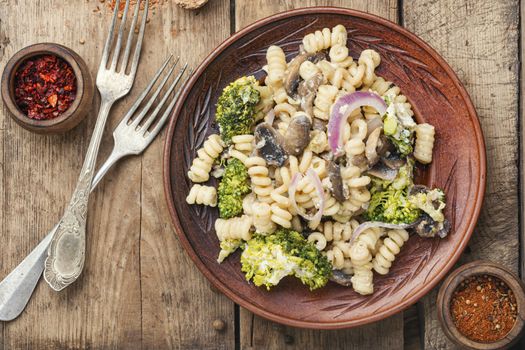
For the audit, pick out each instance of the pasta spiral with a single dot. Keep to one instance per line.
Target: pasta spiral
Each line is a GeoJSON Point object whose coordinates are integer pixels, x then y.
{"type": "Point", "coordinates": [336, 231]}
{"type": "Point", "coordinates": [261, 183]}
{"type": "Point", "coordinates": [424, 143]}
{"type": "Point", "coordinates": [307, 70]}
{"type": "Point", "coordinates": [281, 216]}
{"type": "Point", "coordinates": [323, 101]}
{"type": "Point", "coordinates": [201, 166]}
{"type": "Point", "coordinates": [276, 64]}
{"type": "Point", "coordinates": [388, 250]}
{"type": "Point", "coordinates": [247, 204]}
{"type": "Point", "coordinates": [265, 103]}
{"type": "Point", "coordinates": [317, 41]}
{"type": "Point", "coordinates": [370, 59]}
{"type": "Point", "coordinates": [318, 239]}
{"type": "Point", "coordinates": [234, 228]}
{"type": "Point", "coordinates": [336, 257]}
{"type": "Point", "coordinates": [362, 280]}
{"type": "Point", "coordinates": [338, 53]}
{"type": "Point", "coordinates": [243, 143]}
{"type": "Point", "coordinates": [205, 195]}
{"type": "Point", "coordinates": [262, 218]}
{"type": "Point", "coordinates": [323, 39]}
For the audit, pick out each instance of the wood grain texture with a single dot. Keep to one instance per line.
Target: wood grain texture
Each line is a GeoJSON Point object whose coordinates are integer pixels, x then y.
{"type": "Point", "coordinates": [103, 308]}
{"type": "Point", "coordinates": [480, 42]}
{"type": "Point", "coordinates": [522, 144]}
{"type": "Point", "coordinates": [258, 333]}
{"type": "Point", "coordinates": [178, 305]}
{"type": "Point", "coordinates": [139, 288]}
{"type": "Point", "coordinates": [130, 239]}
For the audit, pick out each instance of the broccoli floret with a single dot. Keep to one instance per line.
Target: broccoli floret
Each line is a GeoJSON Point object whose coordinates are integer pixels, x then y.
{"type": "Point", "coordinates": [431, 202]}
{"type": "Point", "coordinates": [236, 108]}
{"type": "Point", "coordinates": [227, 247]}
{"type": "Point", "coordinates": [405, 175]}
{"type": "Point", "coordinates": [391, 205]}
{"type": "Point", "coordinates": [398, 125]}
{"type": "Point", "coordinates": [268, 259]}
{"type": "Point", "coordinates": [232, 189]}
{"type": "Point", "coordinates": [402, 140]}
{"type": "Point", "coordinates": [389, 201]}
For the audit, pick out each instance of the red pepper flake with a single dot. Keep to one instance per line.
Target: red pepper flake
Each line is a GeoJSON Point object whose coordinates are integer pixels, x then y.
{"type": "Point", "coordinates": [484, 308]}
{"type": "Point", "coordinates": [52, 100]}
{"type": "Point", "coordinates": [45, 87]}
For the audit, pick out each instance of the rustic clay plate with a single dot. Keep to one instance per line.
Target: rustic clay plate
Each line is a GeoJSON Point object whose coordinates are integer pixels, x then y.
{"type": "Point", "coordinates": [458, 167]}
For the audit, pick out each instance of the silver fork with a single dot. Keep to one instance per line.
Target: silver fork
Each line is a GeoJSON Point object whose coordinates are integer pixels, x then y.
{"type": "Point", "coordinates": [66, 253]}
{"type": "Point", "coordinates": [17, 287]}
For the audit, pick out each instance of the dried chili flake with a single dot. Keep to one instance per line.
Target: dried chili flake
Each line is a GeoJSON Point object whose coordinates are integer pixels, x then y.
{"type": "Point", "coordinates": [45, 87]}
{"type": "Point", "coordinates": [484, 308]}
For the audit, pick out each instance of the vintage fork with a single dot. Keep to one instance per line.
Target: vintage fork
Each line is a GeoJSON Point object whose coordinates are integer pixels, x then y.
{"type": "Point", "coordinates": [17, 287]}
{"type": "Point", "coordinates": [66, 253]}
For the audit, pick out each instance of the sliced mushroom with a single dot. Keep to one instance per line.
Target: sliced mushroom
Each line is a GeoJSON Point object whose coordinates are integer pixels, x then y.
{"type": "Point", "coordinates": [268, 143]}
{"type": "Point", "coordinates": [317, 57]}
{"type": "Point", "coordinates": [385, 147]}
{"type": "Point", "coordinates": [297, 134]}
{"type": "Point", "coordinates": [337, 188]}
{"type": "Point", "coordinates": [292, 80]}
{"type": "Point", "coordinates": [307, 90]}
{"type": "Point", "coordinates": [311, 85]}
{"type": "Point", "coordinates": [341, 278]}
{"type": "Point", "coordinates": [428, 228]}
{"type": "Point", "coordinates": [360, 161]}
{"type": "Point", "coordinates": [383, 172]}
{"type": "Point", "coordinates": [418, 189]}
{"type": "Point", "coordinates": [318, 124]}
{"type": "Point", "coordinates": [307, 104]}
{"type": "Point", "coordinates": [393, 161]}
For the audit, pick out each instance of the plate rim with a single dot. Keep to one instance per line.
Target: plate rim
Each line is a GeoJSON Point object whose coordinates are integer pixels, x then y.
{"type": "Point", "coordinates": [480, 191]}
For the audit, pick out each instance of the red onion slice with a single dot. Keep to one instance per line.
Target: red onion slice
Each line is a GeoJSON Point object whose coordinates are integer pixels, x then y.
{"type": "Point", "coordinates": [320, 193]}
{"type": "Point", "coordinates": [341, 110]}
{"type": "Point", "coordinates": [371, 224]}
{"type": "Point", "coordinates": [291, 192]}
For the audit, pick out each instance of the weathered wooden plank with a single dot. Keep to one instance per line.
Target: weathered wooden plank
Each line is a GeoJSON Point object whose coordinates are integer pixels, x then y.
{"type": "Point", "coordinates": [522, 147]}
{"type": "Point", "coordinates": [178, 306]}
{"type": "Point", "coordinates": [4, 41]}
{"type": "Point", "coordinates": [258, 333]}
{"type": "Point", "coordinates": [103, 308]}
{"type": "Point", "coordinates": [480, 41]}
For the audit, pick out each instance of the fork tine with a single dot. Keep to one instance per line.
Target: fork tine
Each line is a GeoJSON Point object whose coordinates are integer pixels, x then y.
{"type": "Point", "coordinates": [116, 53]}
{"type": "Point", "coordinates": [168, 110]}
{"type": "Point", "coordinates": [109, 39]}
{"type": "Point", "coordinates": [152, 99]}
{"type": "Point", "coordinates": [136, 55]}
{"type": "Point", "coordinates": [130, 37]}
{"type": "Point", "coordinates": [153, 115]}
{"type": "Point", "coordinates": [144, 93]}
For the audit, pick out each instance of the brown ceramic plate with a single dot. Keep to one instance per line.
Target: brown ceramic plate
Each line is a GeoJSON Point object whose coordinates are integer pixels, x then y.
{"type": "Point", "coordinates": [437, 97]}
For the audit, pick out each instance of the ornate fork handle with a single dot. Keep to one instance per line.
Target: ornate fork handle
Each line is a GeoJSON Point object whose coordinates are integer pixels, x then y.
{"type": "Point", "coordinates": [66, 254]}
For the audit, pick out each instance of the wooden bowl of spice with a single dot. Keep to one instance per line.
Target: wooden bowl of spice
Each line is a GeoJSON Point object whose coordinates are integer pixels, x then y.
{"type": "Point", "coordinates": [47, 88]}
{"type": "Point", "coordinates": [481, 306]}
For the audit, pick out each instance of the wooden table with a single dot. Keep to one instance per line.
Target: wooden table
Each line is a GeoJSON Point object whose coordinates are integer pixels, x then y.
{"type": "Point", "coordinates": [139, 288]}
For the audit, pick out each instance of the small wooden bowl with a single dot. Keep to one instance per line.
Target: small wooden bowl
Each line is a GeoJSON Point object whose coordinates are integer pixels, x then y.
{"type": "Point", "coordinates": [452, 282]}
{"type": "Point", "coordinates": [78, 109]}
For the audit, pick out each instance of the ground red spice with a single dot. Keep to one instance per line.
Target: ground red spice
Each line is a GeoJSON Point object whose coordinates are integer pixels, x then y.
{"type": "Point", "coordinates": [45, 87]}
{"type": "Point", "coordinates": [484, 308]}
